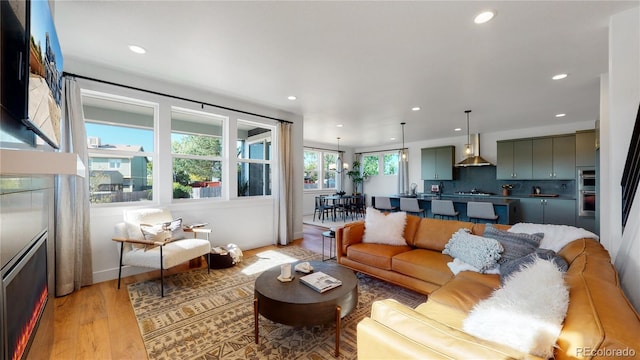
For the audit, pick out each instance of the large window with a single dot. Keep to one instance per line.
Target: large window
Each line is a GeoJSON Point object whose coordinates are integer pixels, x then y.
{"type": "Point", "coordinates": [320, 165]}
{"type": "Point", "coordinates": [371, 165]}
{"type": "Point", "coordinates": [254, 149]}
{"type": "Point", "coordinates": [196, 148]}
{"type": "Point", "coordinates": [390, 163]}
{"type": "Point", "coordinates": [120, 136]}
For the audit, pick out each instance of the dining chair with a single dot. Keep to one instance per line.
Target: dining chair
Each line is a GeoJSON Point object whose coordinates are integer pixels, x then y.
{"type": "Point", "coordinates": [444, 208]}
{"type": "Point", "coordinates": [322, 208]}
{"type": "Point", "coordinates": [481, 211]}
{"type": "Point", "coordinates": [384, 203]}
{"type": "Point", "coordinates": [411, 205]}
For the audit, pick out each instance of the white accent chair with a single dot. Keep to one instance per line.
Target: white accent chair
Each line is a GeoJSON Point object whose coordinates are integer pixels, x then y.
{"type": "Point", "coordinates": [444, 208]}
{"type": "Point", "coordinates": [410, 205]}
{"type": "Point", "coordinates": [135, 250]}
{"type": "Point", "coordinates": [384, 203]}
{"type": "Point", "coordinates": [481, 211]}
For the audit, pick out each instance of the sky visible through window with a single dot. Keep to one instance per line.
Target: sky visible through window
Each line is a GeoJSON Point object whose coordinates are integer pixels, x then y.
{"type": "Point", "coordinates": [117, 135]}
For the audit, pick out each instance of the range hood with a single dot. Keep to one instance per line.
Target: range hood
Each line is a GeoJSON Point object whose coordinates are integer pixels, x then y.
{"type": "Point", "coordinates": [475, 159]}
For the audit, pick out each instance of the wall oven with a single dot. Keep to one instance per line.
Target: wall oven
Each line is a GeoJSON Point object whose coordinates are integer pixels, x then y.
{"type": "Point", "coordinates": [587, 192]}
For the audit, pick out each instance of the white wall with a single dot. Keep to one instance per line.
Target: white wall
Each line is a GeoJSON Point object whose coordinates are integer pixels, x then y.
{"type": "Point", "coordinates": [247, 222]}
{"type": "Point", "coordinates": [616, 127]}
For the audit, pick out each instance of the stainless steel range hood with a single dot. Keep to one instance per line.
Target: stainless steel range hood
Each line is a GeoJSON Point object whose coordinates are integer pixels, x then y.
{"type": "Point", "coordinates": [475, 159]}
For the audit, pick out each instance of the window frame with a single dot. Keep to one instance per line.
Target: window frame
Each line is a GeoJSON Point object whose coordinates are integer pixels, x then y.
{"type": "Point", "coordinates": [268, 142]}
{"type": "Point", "coordinates": [320, 169]}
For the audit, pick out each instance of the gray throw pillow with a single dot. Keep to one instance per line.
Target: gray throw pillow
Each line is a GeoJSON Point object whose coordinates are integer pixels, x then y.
{"type": "Point", "coordinates": [516, 265]}
{"type": "Point", "coordinates": [479, 252]}
{"type": "Point", "coordinates": [516, 245]}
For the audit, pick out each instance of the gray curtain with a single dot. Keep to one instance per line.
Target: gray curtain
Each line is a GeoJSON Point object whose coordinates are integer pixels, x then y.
{"type": "Point", "coordinates": [284, 199]}
{"type": "Point", "coordinates": [73, 246]}
{"type": "Point", "coordinates": [403, 172]}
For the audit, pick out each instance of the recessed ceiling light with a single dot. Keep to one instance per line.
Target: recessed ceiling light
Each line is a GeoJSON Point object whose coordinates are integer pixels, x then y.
{"type": "Point", "coordinates": [415, 108]}
{"type": "Point", "coordinates": [137, 49]}
{"type": "Point", "coordinates": [559, 76]}
{"type": "Point", "coordinates": [340, 125]}
{"type": "Point", "coordinates": [457, 129]}
{"type": "Point", "coordinates": [484, 17]}
{"type": "Point", "coordinates": [392, 138]}
{"type": "Point", "coordinates": [561, 115]}
{"type": "Point", "coordinates": [291, 97]}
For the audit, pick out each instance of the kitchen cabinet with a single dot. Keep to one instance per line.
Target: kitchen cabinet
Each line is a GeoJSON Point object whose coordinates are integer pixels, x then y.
{"type": "Point", "coordinates": [586, 148]}
{"type": "Point", "coordinates": [514, 159]}
{"type": "Point", "coordinates": [437, 163]}
{"type": "Point", "coordinates": [548, 211]}
{"type": "Point", "coordinates": [554, 158]}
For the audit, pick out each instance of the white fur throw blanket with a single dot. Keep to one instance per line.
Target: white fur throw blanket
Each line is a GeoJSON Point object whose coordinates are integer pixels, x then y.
{"type": "Point", "coordinates": [526, 313]}
{"type": "Point", "coordinates": [555, 236]}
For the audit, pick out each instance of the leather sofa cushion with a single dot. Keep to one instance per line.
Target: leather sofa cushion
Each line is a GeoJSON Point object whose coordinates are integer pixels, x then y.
{"type": "Point", "coordinates": [423, 264]}
{"type": "Point", "coordinates": [377, 255]}
{"type": "Point", "coordinates": [478, 229]}
{"type": "Point", "coordinates": [599, 315]}
{"type": "Point", "coordinates": [433, 234]}
{"type": "Point", "coordinates": [465, 290]}
{"type": "Point", "coordinates": [411, 228]}
{"type": "Point", "coordinates": [351, 233]}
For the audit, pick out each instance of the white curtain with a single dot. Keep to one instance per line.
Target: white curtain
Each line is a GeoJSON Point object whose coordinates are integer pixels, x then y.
{"type": "Point", "coordinates": [403, 172]}
{"type": "Point", "coordinates": [73, 247]}
{"type": "Point", "coordinates": [284, 199]}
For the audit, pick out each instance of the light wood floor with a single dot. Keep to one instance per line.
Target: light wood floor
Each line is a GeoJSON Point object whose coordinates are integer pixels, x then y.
{"type": "Point", "coordinates": [97, 321]}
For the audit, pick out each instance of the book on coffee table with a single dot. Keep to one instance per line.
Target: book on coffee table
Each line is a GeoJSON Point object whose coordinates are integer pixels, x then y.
{"type": "Point", "coordinates": [320, 281]}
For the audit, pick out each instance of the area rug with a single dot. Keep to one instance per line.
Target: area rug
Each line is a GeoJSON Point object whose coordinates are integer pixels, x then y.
{"type": "Point", "coordinates": [210, 316]}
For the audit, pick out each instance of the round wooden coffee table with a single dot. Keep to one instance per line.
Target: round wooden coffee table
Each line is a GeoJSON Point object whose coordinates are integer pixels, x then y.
{"type": "Point", "coordinates": [295, 304]}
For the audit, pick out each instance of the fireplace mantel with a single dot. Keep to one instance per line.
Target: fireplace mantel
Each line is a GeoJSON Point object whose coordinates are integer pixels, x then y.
{"type": "Point", "coordinates": [20, 162]}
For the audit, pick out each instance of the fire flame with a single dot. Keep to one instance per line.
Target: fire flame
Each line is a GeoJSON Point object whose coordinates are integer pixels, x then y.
{"type": "Point", "coordinates": [30, 326]}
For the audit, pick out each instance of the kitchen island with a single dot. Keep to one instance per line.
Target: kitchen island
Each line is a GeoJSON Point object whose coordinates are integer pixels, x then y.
{"type": "Point", "coordinates": [505, 208]}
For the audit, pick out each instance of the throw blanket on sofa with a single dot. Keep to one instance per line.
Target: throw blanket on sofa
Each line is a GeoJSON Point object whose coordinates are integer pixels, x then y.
{"type": "Point", "coordinates": [555, 236]}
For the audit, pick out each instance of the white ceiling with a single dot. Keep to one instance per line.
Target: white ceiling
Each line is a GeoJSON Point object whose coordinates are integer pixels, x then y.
{"type": "Point", "coordinates": [363, 64]}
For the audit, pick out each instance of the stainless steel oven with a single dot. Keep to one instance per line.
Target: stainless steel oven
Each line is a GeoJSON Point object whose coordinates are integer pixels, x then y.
{"type": "Point", "coordinates": [587, 192]}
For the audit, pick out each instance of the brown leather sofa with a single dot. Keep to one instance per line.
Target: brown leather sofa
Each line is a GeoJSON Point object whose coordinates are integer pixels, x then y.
{"type": "Point", "coordinates": [600, 322]}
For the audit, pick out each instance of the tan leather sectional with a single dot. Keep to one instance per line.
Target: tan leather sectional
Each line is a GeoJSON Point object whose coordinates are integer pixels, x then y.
{"type": "Point", "coordinates": [600, 321]}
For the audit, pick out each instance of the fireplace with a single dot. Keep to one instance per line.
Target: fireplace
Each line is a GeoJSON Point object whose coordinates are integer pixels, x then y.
{"type": "Point", "coordinates": [24, 297]}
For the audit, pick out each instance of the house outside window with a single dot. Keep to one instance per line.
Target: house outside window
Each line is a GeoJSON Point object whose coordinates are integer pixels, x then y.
{"type": "Point", "coordinates": [120, 137]}
{"type": "Point", "coordinates": [254, 160]}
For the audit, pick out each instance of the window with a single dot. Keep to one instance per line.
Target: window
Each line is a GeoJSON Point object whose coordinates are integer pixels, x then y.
{"type": "Point", "coordinates": [371, 165]}
{"type": "Point", "coordinates": [120, 136]}
{"type": "Point", "coordinates": [320, 165]}
{"type": "Point", "coordinates": [254, 149]}
{"type": "Point", "coordinates": [196, 148]}
{"type": "Point", "coordinates": [311, 169]}
{"type": "Point", "coordinates": [390, 162]}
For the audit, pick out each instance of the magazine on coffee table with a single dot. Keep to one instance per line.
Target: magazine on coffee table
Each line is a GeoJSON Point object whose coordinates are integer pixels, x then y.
{"type": "Point", "coordinates": [320, 281]}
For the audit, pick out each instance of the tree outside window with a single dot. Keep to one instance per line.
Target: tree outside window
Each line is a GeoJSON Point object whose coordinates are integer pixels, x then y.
{"type": "Point", "coordinates": [371, 165]}
{"type": "Point", "coordinates": [311, 161]}
{"type": "Point", "coordinates": [390, 163]}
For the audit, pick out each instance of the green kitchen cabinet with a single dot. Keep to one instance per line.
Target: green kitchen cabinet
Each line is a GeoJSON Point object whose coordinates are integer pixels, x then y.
{"type": "Point", "coordinates": [586, 148]}
{"type": "Point", "coordinates": [554, 158]}
{"type": "Point", "coordinates": [514, 159]}
{"type": "Point", "coordinates": [548, 211]}
{"type": "Point", "coordinates": [437, 163]}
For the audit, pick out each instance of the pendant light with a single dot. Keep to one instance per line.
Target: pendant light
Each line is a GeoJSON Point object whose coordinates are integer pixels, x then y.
{"type": "Point", "coordinates": [468, 148]}
{"type": "Point", "coordinates": [403, 151]}
{"type": "Point", "coordinates": [338, 164]}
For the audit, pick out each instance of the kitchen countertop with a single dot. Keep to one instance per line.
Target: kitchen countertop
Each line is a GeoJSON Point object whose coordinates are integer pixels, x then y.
{"type": "Point", "coordinates": [514, 196]}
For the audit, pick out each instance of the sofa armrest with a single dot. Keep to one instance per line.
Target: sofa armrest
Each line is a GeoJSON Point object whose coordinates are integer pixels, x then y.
{"type": "Point", "coordinates": [429, 336]}
{"type": "Point", "coordinates": [351, 233]}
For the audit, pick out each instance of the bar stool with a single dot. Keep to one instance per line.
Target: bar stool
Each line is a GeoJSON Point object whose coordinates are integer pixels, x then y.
{"type": "Point", "coordinates": [444, 208]}
{"type": "Point", "coordinates": [410, 205]}
{"type": "Point", "coordinates": [384, 203]}
{"type": "Point", "coordinates": [481, 211]}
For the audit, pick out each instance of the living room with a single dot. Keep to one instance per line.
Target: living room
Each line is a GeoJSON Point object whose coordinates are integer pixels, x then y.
{"type": "Point", "coordinates": [230, 217]}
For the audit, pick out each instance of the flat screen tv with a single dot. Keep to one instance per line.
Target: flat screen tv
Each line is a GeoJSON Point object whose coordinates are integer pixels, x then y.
{"type": "Point", "coordinates": [14, 35]}
{"type": "Point", "coordinates": [45, 75]}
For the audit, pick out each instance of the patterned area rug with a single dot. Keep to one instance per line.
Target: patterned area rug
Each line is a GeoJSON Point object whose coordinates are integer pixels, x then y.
{"type": "Point", "coordinates": [210, 316]}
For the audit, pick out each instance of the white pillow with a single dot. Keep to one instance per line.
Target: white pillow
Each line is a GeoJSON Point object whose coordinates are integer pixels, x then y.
{"type": "Point", "coordinates": [526, 313]}
{"type": "Point", "coordinates": [384, 229]}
